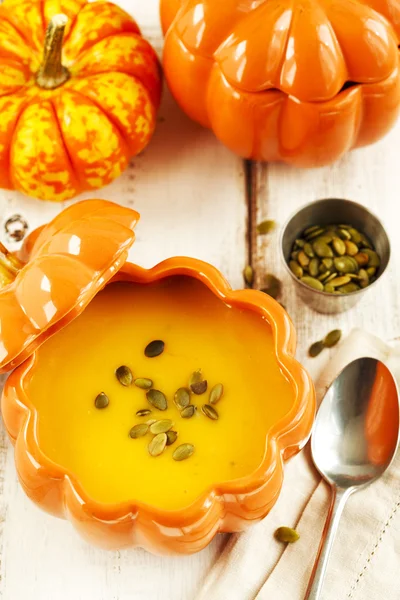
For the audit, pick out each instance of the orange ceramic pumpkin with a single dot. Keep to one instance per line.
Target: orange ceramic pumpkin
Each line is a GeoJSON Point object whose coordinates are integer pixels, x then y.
{"type": "Point", "coordinates": [73, 108]}
{"type": "Point", "coordinates": [300, 81]}
{"type": "Point", "coordinates": [62, 267]}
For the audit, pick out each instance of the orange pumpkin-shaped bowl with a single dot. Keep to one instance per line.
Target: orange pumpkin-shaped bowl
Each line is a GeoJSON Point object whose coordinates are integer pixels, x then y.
{"type": "Point", "coordinates": [299, 81]}
{"type": "Point", "coordinates": [227, 506]}
{"type": "Point", "coordinates": [77, 102]}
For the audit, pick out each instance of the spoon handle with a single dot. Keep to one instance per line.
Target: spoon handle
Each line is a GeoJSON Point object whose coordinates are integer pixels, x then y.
{"type": "Point", "coordinates": [339, 499]}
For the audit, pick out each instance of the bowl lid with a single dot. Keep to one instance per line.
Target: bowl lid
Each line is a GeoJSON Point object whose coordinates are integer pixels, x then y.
{"type": "Point", "coordinates": [308, 49]}
{"type": "Point", "coordinates": [59, 270]}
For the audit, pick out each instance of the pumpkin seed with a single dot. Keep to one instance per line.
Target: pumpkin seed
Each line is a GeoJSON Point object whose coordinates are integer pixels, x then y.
{"type": "Point", "coordinates": [294, 255]}
{"type": "Point", "coordinates": [182, 398]}
{"type": "Point", "coordinates": [311, 229]}
{"type": "Point", "coordinates": [314, 234]}
{"type": "Point", "coordinates": [172, 436]}
{"type": "Point", "coordinates": [299, 243]}
{"type": "Point", "coordinates": [361, 258]}
{"type": "Point", "coordinates": [327, 262]}
{"type": "Point", "coordinates": [157, 444]}
{"type": "Point", "coordinates": [150, 422]}
{"type": "Point", "coordinates": [143, 383]}
{"type": "Point", "coordinates": [303, 259]}
{"type": "Point", "coordinates": [344, 234]}
{"type": "Point", "coordinates": [296, 269]}
{"type": "Point", "coordinates": [332, 338]}
{"type": "Point", "coordinates": [161, 426]}
{"type": "Point", "coordinates": [139, 431]}
{"type": "Point", "coordinates": [124, 375]}
{"type": "Point", "coordinates": [329, 288]}
{"type": "Point", "coordinates": [216, 393]}
{"type": "Point", "coordinates": [322, 249]}
{"type": "Point", "coordinates": [210, 412]}
{"type": "Point", "coordinates": [374, 260]}
{"type": "Point", "coordinates": [199, 388]}
{"type": "Point", "coordinates": [313, 267]}
{"type": "Point", "coordinates": [365, 243]}
{"type": "Point", "coordinates": [143, 412]}
{"type": "Point", "coordinates": [188, 412]}
{"type": "Point", "coordinates": [363, 278]}
{"type": "Point", "coordinates": [331, 276]}
{"type": "Point", "coordinates": [351, 248]}
{"type": "Point", "coordinates": [371, 271]}
{"type": "Point", "coordinates": [273, 286]}
{"type": "Point", "coordinates": [338, 281]}
{"type": "Point", "coordinates": [313, 283]}
{"type": "Point", "coordinates": [248, 275]}
{"type": "Point", "coordinates": [183, 452]}
{"type": "Point", "coordinates": [308, 249]}
{"type": "Point", "coordinates": [287, 535]}
{"type": "Point", "coordinates": [155, 348]}
{"type": "Point", "coordinates": [324, 276]}
{"type": "Point", "coordinates": [355, 235]}
{"type": "Point", "coordinates": [348, 288]}
{"type": "Point", "coordinates": [345, 264]}
{"type": "Point", "coordinates": [315, 349]}
{"type": "Point", "coordinates": [266, 227]}
{"type": "Point", "coordinates": [157, 399]}
{"type": "Point", "coordinates": [339, 246]}
{"type": "Point", "coordinates": [195, 377]}
{"type": "Point", "coordinates": [102, 400]}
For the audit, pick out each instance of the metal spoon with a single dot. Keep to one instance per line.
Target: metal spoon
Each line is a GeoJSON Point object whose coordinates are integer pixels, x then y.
{"type": "Point", "coordinates": [355, 438]}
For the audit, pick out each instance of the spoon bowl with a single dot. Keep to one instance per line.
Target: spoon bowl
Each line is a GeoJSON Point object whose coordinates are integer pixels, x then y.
{"type": "Point", "coordinates": [355, 438]}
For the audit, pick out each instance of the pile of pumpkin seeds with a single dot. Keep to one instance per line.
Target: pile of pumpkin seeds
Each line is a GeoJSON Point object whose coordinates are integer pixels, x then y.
{"type": "Point", "coordinates": [162, 430]}
{"type": "Point", "coordinates": [337, 259]}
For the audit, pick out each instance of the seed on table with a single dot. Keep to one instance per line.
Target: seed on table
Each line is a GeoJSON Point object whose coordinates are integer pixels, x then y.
{"type": "Point", "coordinates": [248, 275]}
{"type": "Point", "coordinates": [154, 348]}
{"type": "Point", "coordinates": [124, 375]}
{"type": "Point", "coordinates": [351, 248]}
{"type": "Point", "coordinates": [303, 259]}
{"type": "Point", "coordinates": [315, 349]}
{"type": "Point", "coordinates": [188, 412]}
{"type": "Point", "coordinates": [339, 246]}
{"type": "Point", "coordinates": [313, 283]}
{"type": "Point", "coordinates": [266, 227]}
{"type": "Point", "coordinates": [210, 412]}
{"type": "Point", "coordinates": [157, 444]}
{"type": "Point", "coordinates": [332, 338]}
{"type": "Point", "coordinates": [143, 383]}
{"type": "Point", "coordinates": [287, 535]}
{"type": "Point", "coordinates": [273, 286]}
{"type": "Point", "coordinates": [138, 431]}
{"type": "Point", "coordinates": [157, 399]}
{"type": "Point", "coordinates": [216, 393]}
{"type": "Point", "coordinates": [183, 452]}
{"type": "Point", "coordinates": [182, 398]}
{"type": "Point", "coordinates": [296, 269]}
{"type": "Point", "coordinates": [161, 426]}
{"type": "Point", "coordinates": [102, 400]}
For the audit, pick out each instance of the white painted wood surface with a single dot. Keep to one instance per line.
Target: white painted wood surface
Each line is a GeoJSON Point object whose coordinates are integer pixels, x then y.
{"type": "Point", "coordinates": [191, 194]}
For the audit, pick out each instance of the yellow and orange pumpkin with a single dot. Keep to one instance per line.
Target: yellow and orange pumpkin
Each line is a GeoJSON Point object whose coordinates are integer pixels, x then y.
{"type": "Point", "coordinates": [79, 91]}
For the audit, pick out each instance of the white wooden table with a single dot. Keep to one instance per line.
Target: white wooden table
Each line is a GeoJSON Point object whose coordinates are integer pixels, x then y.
{"type": "Point", "coordinates": [198, 199]}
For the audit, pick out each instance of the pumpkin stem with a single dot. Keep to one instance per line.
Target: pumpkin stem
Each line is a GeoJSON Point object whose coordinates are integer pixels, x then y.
{"type": "Point", "coordinates": [52, 73]}
{"type": "Point", "coordinates": [9, 266]}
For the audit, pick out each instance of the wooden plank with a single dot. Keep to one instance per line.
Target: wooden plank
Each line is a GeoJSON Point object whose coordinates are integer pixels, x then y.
{"type": "Point", "coordinates": [370, 176]}
{"type": "Point", "coordinates": [190, 192]}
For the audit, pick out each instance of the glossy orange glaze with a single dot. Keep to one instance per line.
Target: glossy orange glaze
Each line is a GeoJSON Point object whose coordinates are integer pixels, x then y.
{"type": "Point", "coordinates": [67, 263]}
{"type": "Point", "coordinates": [79, 136]}
{"type": "Point", "coordinates": [229, 506]}
{"type": "Point", "coordinates": [302, 81]}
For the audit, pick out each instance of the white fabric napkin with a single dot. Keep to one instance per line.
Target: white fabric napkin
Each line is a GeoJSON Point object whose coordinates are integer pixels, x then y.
{"type": "Point", "coordinates": [365, 561]}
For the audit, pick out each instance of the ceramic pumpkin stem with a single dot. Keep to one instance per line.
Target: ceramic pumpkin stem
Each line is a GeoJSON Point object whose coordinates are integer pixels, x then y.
{"type": "Point", "coordinates": [9, 266]}
{"type": "Point", "coordinates": [52, 73]}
